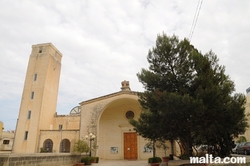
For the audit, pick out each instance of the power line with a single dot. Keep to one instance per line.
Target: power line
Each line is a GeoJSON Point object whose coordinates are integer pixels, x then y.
{"type": "Point", "coordinates": [196, 15]}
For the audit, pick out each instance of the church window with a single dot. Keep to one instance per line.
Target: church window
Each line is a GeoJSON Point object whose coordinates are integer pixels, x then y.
{"type": "Point", "coordinates": [130, 114]}
{"type": "Point", "coordinates": [60, 127]}
{"type": "Point", "coordinates": [35, 77]}
{"type": "Point", "coordinates": [48, 145]}
{"type": "Point", "coordinates": [6, 142]}
{"type": "Point", "coordinates": [40, 49]}
{"type": "Point", "coordinates": [32, 95]}
{"type": "Point", "coordinates": [26, 135]}
{"type": "Point", "coordinates": [29, 114]}
{"type": "Point", "coordinates": [65, 146]}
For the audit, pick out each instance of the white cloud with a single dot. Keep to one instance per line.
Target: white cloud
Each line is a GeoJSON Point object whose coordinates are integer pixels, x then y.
{"type": "Point", "coordinates": [105, 42]}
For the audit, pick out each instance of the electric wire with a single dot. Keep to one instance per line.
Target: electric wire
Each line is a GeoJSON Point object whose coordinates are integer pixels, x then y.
{"type": "Point", "coordinates": [196, 15]}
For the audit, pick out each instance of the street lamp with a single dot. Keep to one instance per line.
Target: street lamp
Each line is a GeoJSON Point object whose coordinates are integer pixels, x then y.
{"type": "Point", "coordinates": [91, 137]}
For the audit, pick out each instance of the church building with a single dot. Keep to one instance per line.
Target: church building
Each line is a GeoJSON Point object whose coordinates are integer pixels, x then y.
{"type": "Point", "coordinates": [41, 129]}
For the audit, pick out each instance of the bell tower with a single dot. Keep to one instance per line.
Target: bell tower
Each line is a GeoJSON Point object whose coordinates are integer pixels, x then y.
{"type": "Point", "coordinates": [39, 98]}
{"type": "Point", "coordinates": [125, 86]}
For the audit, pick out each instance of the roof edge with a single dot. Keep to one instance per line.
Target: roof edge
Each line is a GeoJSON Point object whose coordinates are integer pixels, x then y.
{"type": "Point", "coordinates": [107, 96]}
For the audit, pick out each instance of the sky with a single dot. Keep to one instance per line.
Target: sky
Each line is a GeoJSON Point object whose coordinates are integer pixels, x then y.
{"type": "Point", "coordinates": [104, 42]}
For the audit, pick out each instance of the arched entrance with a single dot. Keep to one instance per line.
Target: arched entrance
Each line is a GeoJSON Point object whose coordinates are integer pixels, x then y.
{"type": "Point", "coordinates": [65, 146]}
{"type": "Point", "coordinates": [117, 139]}
{"type": "Point", "coordinates": [48, 145]}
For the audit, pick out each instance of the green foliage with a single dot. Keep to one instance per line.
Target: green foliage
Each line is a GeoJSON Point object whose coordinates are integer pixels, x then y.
{"type": "Point", "coordinates": [154, 160]}
{"type": "Point", "coordinates": [146, 124]}
{"type": "Point", "coordinates": [188, 97]}
{"type": "Point", "coordinates": [146, 127]}
{"type": "Point", "coordinates": [81, 146]}
{"type": "Point", "coordinates": [241, 139]}
{"type": "Point", "coordinates": [97, 159]}
{"type": "Point", "coordinates": [184, 157]}
{"type": "Point", "coordinates": [87, 160]}
{"type": "Point", "coordinates": [94, 146]}
{"type": "Point", "coordinates": [162, 145]}
{"type": "Point", "coordinates": [44, 151]}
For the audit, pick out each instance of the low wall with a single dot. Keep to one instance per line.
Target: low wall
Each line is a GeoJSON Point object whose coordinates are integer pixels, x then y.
{"type": "Point", "coordinates": [39, 159]}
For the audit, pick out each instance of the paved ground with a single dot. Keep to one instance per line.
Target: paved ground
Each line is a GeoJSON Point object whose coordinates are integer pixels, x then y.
{"type": "Point", "coordinates": [134, 163]}
{"type": "Point", "coordinates": [121, 163]}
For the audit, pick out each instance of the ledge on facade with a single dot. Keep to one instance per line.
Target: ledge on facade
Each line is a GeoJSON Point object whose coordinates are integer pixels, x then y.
{"type": "Point", "coordinates": [68, 115]}
{"type": "Point", "coordinates": [63, 130]}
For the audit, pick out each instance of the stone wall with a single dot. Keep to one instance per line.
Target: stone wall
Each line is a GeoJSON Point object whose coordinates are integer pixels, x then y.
{"type": "Point", "coordinates": [39, 159]}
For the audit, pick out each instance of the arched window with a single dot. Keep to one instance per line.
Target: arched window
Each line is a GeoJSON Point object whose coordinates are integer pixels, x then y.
{"type": "Point", "coordinates": [48, 145]}
{"type": "Point", "coordinates": [65, 146]}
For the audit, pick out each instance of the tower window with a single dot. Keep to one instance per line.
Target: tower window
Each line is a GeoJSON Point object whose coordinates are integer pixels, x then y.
{"type": "Point", "coordinates": [32, 95]}
{"type": "Point", "coordinates": [60, 127]}
{"type": "Point", "coordinates": [6, 142]}
{"type": "Point", "coordinates": [29, 115]}
{"type": "Point", "coordinates": [26, 135]}
{"type": "Point", "coordinates": [35, 77]}
{"type": "Point", "coordinates": [40, 49]}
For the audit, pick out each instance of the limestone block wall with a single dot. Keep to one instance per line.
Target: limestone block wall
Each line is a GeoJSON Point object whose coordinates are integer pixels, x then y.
{"type": "Point", "coordinates": [106, 118]}
{"type": "Point", "coordinates": [112, 126]}
{"type": "Point", "coordinates": [57, 136]}
{"type": "Point", "coordinates": [68, 122]}
{"type": "Point", "coordinates": [6, 140]}
{"type": "Point", "coordinates": [39, 159]}
{"type": "Point", "coordinates": [39, 98]}
{"type": "Point", "coordinates": [92, 110]}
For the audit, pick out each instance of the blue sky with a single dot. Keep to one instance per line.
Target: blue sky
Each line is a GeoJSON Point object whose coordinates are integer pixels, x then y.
{"type": "Point", "coordinates": [106, 42]}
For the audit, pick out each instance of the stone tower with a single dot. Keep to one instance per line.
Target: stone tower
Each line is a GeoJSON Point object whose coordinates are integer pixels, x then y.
{"type": "Point", "coordinates": [39, 98]}
{"type": "Point", "coordinates": [125, 86]}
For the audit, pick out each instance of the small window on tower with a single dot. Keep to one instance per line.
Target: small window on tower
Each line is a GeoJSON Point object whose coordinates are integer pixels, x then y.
{"type": "Point", "coordinates": [32, 95]}
{"type": "Point", "coordinates": [29, 115]}
{"type": "Point", "coordinates": [26, 135]}
{"type": "Point", "coordinates": [35, 77]}
{"type": "Point", "coordinates": [6, 142]}
{"type": "Point", "coordinates": [60, 127]}
{"type": "Point", "coordinates": [40, 49]}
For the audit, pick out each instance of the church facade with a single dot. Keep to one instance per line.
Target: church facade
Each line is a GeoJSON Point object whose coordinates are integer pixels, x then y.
{"type": "Point", "coordinates": [40, 129]}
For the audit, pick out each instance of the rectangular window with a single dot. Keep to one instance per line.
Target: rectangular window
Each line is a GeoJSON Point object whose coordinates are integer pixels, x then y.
{"type": "Point", "coordinates": [6, 142]}
{"type": "Point", "coordinates": [40, 49]}
{"type": "Point", "coordinates": [29, 115]}
{"type": "Point", "coordinates": [60, 127]}
{"type": "Point", "coordinates": [26, 135]}
{"type": "Point", "coordinates": [35, 77]}
{"type": "Point", "coordinates": [32, 95]}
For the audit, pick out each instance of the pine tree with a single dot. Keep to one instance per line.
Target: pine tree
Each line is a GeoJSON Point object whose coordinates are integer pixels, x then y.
{"type": "Point", "coordinates": [190, 97]}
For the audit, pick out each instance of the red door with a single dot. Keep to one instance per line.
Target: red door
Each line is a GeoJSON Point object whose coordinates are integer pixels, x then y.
{"type": "Point", "coordinates": [130, 145]}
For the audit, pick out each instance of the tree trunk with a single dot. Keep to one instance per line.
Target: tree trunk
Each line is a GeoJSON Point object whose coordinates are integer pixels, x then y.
{"type": "Point", "coordinates": [154, 148]}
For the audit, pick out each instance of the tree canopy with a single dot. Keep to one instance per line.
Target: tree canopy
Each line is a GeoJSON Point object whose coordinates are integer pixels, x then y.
{"type": "Point", "coordinates": [81, 146]}
{"type": "Point", "coordinates": [188, 97]}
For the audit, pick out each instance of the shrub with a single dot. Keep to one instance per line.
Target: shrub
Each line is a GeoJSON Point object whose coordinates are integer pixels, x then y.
{"type": "Point", "coordinates": [81, 146]}
{"type": "Point", "coordinates": [97, 159]}
{"type": "Point", "coordinates": [154, 160]}
{"type": "Point", "coordinates": [87, 160]}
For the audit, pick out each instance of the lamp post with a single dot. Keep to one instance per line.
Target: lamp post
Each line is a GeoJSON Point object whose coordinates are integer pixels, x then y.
{"type": "Point", "coordinates": [91, 137]}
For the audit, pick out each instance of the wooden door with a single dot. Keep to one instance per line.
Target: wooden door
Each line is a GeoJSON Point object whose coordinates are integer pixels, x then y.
{"type": "Point", "coordinates": [130, 145]}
